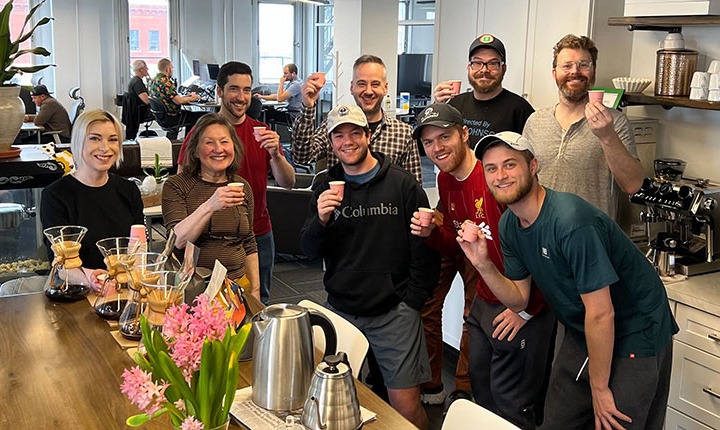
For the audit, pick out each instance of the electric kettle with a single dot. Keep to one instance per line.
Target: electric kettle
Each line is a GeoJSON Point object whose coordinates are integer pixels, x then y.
{"type": "Point", "coordinates": [283, 354]}
{"type": "Point", "coordinates": [332, 402]}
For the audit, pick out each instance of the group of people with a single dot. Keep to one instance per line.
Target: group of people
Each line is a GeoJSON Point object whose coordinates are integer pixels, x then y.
{"type": "Point", "coordinates": [525, 217]}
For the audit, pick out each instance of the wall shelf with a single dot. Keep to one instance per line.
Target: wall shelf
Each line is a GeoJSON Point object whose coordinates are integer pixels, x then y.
{"type": "Point", "coordinates": [663, 23]}
{"type": "Point", "coordinates": [635, 99]}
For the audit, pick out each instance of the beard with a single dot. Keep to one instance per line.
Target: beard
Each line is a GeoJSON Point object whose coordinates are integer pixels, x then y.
{"type": "Point", "coordinates": [361, 157]}
{"type": "Point", "coordinates": [523, 189]}
{"type": "Point", "coordinates": [485, 88]}
{"type": "Point", "coordinates": [370, 107]}
{"type": "Point", "coordinates": [574, 95]}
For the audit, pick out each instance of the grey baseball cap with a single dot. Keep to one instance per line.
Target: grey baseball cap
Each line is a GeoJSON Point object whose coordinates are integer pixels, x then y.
{"type": "Point", "coordinates": [514, 140]}
{"type": "Point", "coordinates": [346, 114]}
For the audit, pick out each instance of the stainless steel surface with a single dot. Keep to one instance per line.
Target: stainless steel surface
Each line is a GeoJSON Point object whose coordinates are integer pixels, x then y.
{"type": "Point", "coordinates": [283, 354]}
{"type": "Point", "coordinates": [11, 215]}
{"type": "Point", "coordinates": [673, 71]}
{"type": "Point", "coordinates": [680, 219]}
{"type": "Point", "coordinates": [332, 402]}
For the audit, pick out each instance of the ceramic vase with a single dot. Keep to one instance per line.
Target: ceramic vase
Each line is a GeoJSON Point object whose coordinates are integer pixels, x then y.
{"type": "Point", "coordinates": [12, 113]}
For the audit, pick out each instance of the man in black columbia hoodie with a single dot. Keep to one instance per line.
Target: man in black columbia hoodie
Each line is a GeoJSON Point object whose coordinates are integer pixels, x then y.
{"type": "Point", "coordinates": [378, 275]}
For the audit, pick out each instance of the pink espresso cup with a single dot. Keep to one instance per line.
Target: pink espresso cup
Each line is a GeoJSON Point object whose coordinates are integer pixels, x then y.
{"type": "Point", "coordinates": [317, 78]}
{"type": "Point", "coordinates": [456, 87]}
{"type": "Point", "coordinates": [338, 186]}
{"type": "Point", "coordinates": [137, 232]}
{"type": "Point", "coordinates": [596, 96]}
{"type": "Point", "coordinates": [426, 215]}
{"type": "Point", "coordinates": [256, 132]}
{"type": "Point", "coordinates": [470, 231]}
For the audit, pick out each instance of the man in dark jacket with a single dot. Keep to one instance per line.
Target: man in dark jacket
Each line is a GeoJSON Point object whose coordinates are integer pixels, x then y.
{"type": "Point", "coordinates": [378, 275]}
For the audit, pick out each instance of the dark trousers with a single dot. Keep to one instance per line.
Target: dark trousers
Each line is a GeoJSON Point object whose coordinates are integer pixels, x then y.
{"type": "Point", "coordinates": [507, 377]}
{"type": "Point", "coordinates": [640, 387]}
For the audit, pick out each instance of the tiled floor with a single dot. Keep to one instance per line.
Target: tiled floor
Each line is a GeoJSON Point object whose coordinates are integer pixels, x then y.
{"type": "Point", "coordinates": [295, 279]}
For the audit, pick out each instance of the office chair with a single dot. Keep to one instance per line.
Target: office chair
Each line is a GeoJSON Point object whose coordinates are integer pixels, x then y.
{"type": "Point", "coordinates": [77, 108]}
{"type": "Point", "coordinates": [171, 124]}
{"type": "Point", "coordinates": [134, 113]}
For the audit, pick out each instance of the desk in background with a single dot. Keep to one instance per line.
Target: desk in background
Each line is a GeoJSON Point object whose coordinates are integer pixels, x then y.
{"type": "Point", "coordinates": [29, 128]}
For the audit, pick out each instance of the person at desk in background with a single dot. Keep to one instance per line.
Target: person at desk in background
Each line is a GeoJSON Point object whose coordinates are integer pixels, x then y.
{"type": "Point", "coordinates": [52, 116]}
{"type": "Point", "coordinates": [205, 205]}
{"type": "Point", "coordinates": [378, 274]}
{"type": "Point", "coordinates": [488, 109]}
{"type": "Point", "coordinates": [388, 135]}
{"type": "Point", "coordinates": [107, 204]}
{"type": "Point", "coordinates": [583, 148]}
{"type": "Point", "coordinates": [614, 365]}
{"type": "Point", "coordinates": [263, 153]}
{"type": "Point", "coordinates": [507, 351]}
{"type": "Point", "coordinates": [288, 91]}
{"type": "Point", "coordinates": [164, 88]}
{"type": "Point", "coordinates": [139, 103]}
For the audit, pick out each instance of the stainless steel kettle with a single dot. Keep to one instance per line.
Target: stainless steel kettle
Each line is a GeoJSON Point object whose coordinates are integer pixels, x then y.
{"type": "Point", "coordinates": [332, 402]}
{"type": "Point", "coordinates": [283, 354]}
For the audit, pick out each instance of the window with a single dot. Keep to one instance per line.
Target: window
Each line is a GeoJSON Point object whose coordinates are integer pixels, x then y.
{"type": "Point", "coordinates": [153, 40]}
{"type": "Point", "coordinates": [151, 18]}
{"type": "Point", "coordinates": [416, 31]}
{"type": "Point", "coordinates": [134, 40]}
{"type": "Point", "coordinates": [276, 28]}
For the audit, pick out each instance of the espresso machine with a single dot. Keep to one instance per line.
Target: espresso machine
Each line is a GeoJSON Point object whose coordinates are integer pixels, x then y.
{"type": "Point", "coordinates": [679, 216]}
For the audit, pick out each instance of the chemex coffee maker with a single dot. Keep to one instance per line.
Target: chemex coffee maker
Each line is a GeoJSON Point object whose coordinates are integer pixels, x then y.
{"type": "Point", "coordinates": [679, 218]}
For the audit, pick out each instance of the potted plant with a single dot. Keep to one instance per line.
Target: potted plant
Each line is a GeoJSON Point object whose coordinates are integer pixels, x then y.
{"type": "Point", "coordinates": [190, 370]}
{"type": "Point", "coordinates": [12, 109]}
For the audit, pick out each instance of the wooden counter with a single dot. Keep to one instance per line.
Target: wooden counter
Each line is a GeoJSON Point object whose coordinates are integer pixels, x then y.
{"type": "Point", "coordinates": [61, 368]}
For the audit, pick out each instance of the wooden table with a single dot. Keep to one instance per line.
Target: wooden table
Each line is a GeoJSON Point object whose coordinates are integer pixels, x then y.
{"type": "Point", "coordinates": [61, 368]}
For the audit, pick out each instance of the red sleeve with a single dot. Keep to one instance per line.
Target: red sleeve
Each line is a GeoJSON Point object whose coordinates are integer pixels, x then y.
{"type": "Point", "coordinates": [181, 154]}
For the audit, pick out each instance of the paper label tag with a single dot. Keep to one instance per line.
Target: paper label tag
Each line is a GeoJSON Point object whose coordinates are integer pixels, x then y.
{"type": "Point", "coordinates": [216, 280]}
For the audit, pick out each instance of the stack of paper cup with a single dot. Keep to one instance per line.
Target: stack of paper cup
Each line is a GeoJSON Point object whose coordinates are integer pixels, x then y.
{"type": "Point", "coordinates": [699, 86]}
{"type": "Point", "coordinates": [714, 89]}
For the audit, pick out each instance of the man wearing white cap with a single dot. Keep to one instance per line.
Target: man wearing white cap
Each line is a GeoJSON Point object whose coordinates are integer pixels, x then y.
{"type": "Point", "coordinates": [378, 275]}
{"type": "Point", "coordinates": [613, 367]}
{"type": "Point", "coordinates": [507, 350]}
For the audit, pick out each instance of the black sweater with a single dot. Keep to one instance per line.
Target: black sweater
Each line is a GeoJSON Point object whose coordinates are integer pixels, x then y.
{"type": "Point", "coordinates": [106, 211]}
{"type": "Point", "coordinates": [372, 260]}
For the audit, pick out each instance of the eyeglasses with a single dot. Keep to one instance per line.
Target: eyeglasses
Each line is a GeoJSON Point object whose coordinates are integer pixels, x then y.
{"type": "Point", "coordinates": [492, 66]}
{"type": "Point", "coordinates": [583, 65]}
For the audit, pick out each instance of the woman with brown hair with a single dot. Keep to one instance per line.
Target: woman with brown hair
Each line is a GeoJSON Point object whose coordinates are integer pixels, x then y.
{"type": "Point", "coordinates": [209, 205]}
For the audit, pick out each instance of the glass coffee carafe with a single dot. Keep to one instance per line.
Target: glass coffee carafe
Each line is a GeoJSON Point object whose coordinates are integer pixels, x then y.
{"type": "Point", "coordinates": [164, 289]}
{"type": "Point", "coordinates": [115, 292]}
{"type": "Point", "coordinates": [140, 269]}
{"type": "Point", "coordinates": [67, 281]}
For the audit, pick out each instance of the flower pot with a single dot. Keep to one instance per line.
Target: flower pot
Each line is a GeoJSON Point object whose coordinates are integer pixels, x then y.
{"type": "Point", "coordinates": [12, 112]}
{"type": "Point", "coordinates": [223, 426]}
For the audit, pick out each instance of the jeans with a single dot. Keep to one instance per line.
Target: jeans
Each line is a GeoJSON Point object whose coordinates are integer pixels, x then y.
{"type": "Point", "coordinates": [266, 259]}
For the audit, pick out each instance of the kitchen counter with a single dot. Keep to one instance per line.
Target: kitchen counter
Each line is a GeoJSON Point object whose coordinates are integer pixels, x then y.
{"type": "Point", "coordinates": [701, 292]}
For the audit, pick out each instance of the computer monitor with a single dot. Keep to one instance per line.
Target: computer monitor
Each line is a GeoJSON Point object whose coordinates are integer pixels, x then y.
{"type": "Point", "coordinates": [213, 70]}
{"type": "Point", "coordinates": [415, 74]}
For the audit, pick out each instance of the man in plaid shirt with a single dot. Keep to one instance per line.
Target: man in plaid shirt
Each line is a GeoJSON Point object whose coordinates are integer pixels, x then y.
{"type": "Point", "coordinates": [389, 136]}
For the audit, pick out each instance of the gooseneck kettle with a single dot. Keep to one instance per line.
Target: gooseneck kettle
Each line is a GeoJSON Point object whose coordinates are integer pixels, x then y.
{"type": "Point", "coordinates": [283, 354]}
{"type": "Point", "coordinates": [332, 402]}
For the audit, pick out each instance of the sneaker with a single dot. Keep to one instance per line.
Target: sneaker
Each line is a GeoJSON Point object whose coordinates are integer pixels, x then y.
{"type": "Point", "coordinates": [457, 394]}
{"type": "Point", "coordinates": [433, 396]}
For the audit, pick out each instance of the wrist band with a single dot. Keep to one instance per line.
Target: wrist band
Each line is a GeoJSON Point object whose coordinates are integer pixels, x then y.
{"type": "Point", "coordinates": [524, 315]}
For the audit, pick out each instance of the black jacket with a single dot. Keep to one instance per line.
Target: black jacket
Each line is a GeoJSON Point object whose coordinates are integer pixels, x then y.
{"type": "Point", "coordinates": [372, 260]}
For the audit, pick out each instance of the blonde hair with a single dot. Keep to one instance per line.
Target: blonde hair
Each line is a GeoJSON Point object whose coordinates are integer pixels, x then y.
{"type": "Point", "coordinates": [80, 129]}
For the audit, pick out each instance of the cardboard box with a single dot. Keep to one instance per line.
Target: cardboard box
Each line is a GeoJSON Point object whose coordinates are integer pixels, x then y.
{"type": "Point", "coordinates": [671, 7]}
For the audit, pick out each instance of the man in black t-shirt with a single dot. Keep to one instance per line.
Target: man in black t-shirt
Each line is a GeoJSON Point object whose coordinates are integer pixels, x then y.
{"type": "Point", "coordinates": [136, 108]}
{"type": "Point", "coordinates": [487, 109]}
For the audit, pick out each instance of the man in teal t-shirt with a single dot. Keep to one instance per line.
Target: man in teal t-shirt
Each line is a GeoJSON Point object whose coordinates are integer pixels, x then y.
{"type": "Point", "coordinates": [614, 364]}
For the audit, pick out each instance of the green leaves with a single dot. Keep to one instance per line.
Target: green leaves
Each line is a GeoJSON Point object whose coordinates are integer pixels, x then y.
{"type": "Point", "coordinates": [10, 50]}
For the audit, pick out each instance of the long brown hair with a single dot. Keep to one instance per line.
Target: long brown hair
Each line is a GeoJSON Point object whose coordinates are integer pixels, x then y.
{"type": "Point", "coordinates": [191, 163]}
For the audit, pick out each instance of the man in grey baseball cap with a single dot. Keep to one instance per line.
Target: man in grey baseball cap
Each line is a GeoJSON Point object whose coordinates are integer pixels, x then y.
{"type": "Point", "coordinates": [377, 274]}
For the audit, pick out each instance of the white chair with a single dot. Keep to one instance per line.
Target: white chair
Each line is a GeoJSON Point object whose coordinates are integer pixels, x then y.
{"type": "Point", "coordinates": [350, 340]}
{"type": "Point", "coordinates": [463, 412]}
